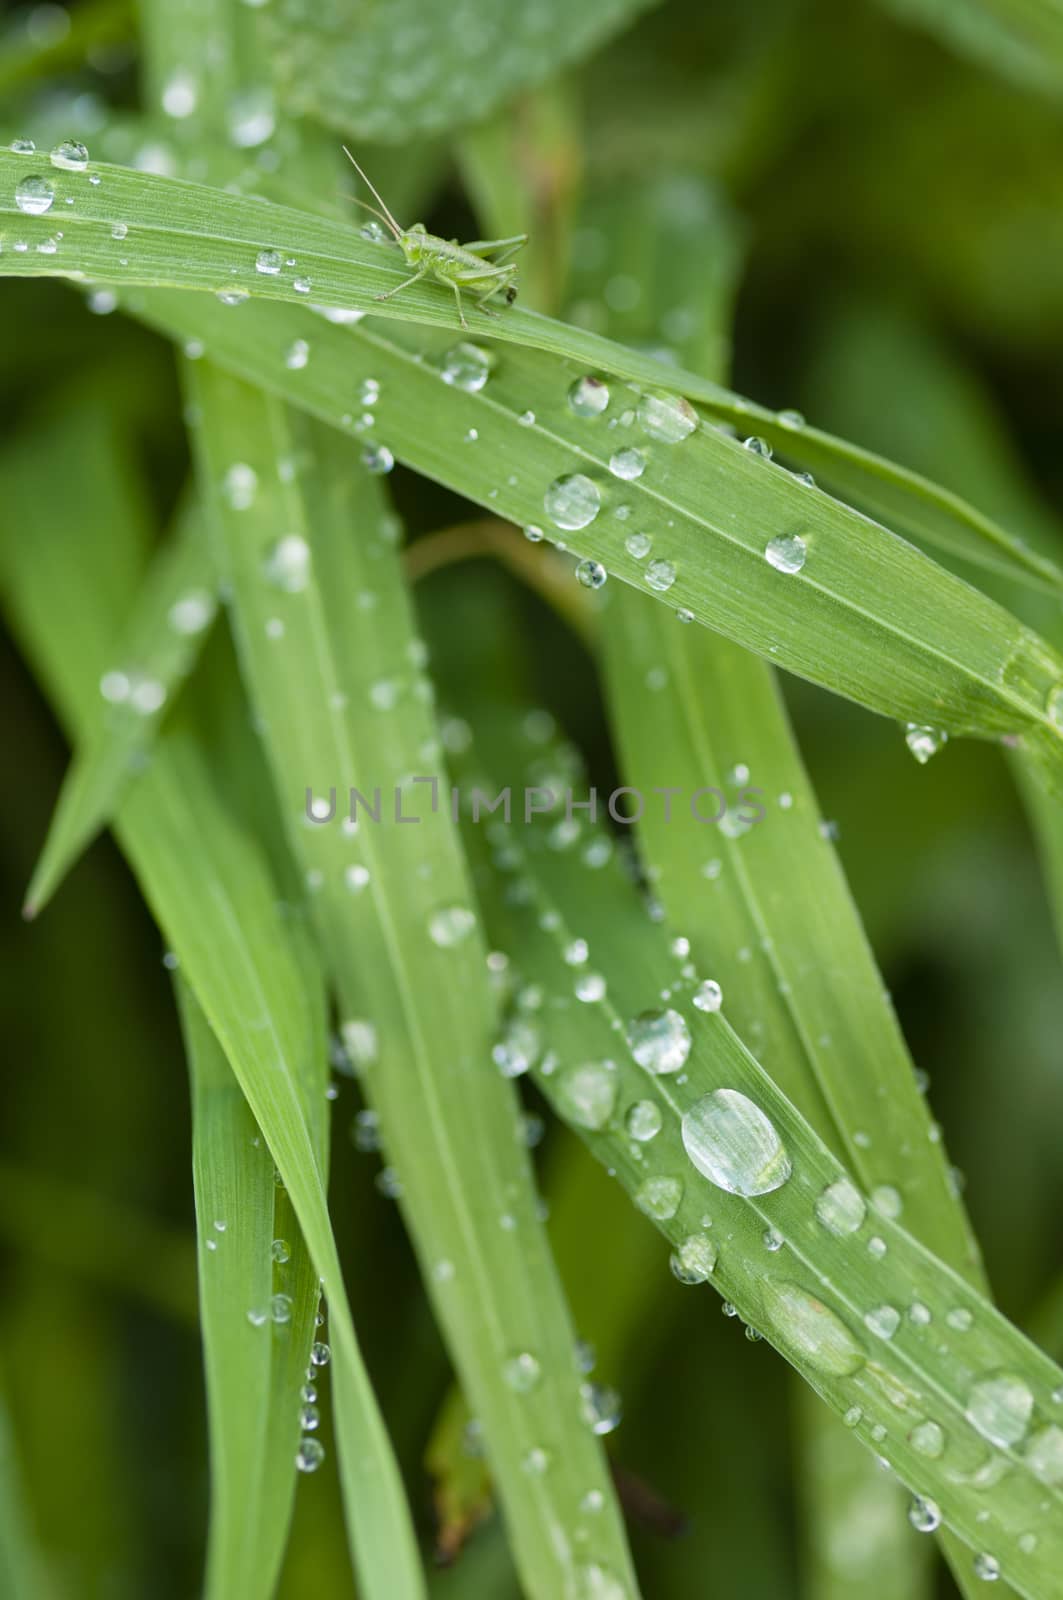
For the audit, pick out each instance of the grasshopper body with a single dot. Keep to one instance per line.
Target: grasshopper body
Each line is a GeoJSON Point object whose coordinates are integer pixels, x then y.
{"type": "Point", "coordinates": [484, 267]}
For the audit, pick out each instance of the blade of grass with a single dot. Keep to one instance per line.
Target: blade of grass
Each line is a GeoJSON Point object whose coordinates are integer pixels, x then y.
{"type": "Point", "coordinates": [938, 653]}
{"type": "Point", "coordinates": [337, 685]}
{"type": "Point", "coordinates": [185, 235]}
{"type": "Point", "coordinates": [888, 1334]}
{"type": "Point", "coordinates": [153, 657]}
{"type": "Point", "coordinates": [211, 891]}
{"type": "Point", "coordinates": [22, 1571]}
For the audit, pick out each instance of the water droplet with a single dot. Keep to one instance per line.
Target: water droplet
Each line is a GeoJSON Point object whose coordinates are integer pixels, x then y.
{"type": "Point", "coordinates": [734, 1144]}
{"type": "Point", "coordinates": [928, 1438]}
{"type": "Point", "coordinates": [310, 1454]}
{"type": "Point", "coordinates": [627, 464]}
{"type": "Point", "coordinates": [883, 1321]}
{"type": "Point", "coordinates": [986, 1567]}
{"type": "Point", "coordinates": [758, 447]}
{"type": "Point", "coordinates": [527, 419]}
{"type": "Point", "coordinates": [320, 1354]}
{"type": "Point", "coordinates": [841, 1207]}
{"type": "Point", "coordinates": [667, 417]}
{"type": "Point", "coordinates": [536, 1461]}
{"type": "Point", "coordinates": [638, 545]}
{"type": "Point", "coordinates": [269, 262]}
{"type": "Point", "coordinates": [466, 366]}
{"type": "Point", "coordinates": [533, 533]}
{"type": "Point", "coordinates": [257, 1319]}
{"type": "Point", "coordinates": [251, 117]}
{"type": "Point", "coordinates": [773, 1240]}
{"type": "Point", "coordinates": [802, 1325]}
{"type": "Point", "coordinates": [572, 501]}
{"type": "Point", "coordinates": [287, 564]}
{"type": "Point", "coordinates": [22, 147]}
{"type": "Point", "coordinates": [924, 1515]}
{"type": "Point", "coordinates": [999, 1408]}
{"type": "Point", "coordinates": [1054, 705]}
{"type": "Point", "coordinates": [365, 1131]}
{"type": "Point", "coordinates": [887, 1201]}
{"type": "Point", "coordinates": [694, 1259]}
{"type": "Point", "coordinates": [591, 574]}
{"type": "Point", "coordinates": [853, 1417]}
{"type": "Point", "coordinates": [643, 1120]}
{"type": "Point", "coordinates": [590, 986]}
{"type": "Point", "coordinates": [518, 1049]}
{"type": "Point", "coordinates": [660, 575]}
{"type": "Point", "coordinates": [297, 355]}
{"type": "Point", "coordinates": [240, 486]}
{"type": "Point", "coordinates": [302, 285]}
{"type": "Point", "coordinates": [119, 230]}
{"type": "Point", "coordinates": [309, 1417]}
{"type": "Point", "coordinates": [659, 1040]}
{"type": "Point", "coordinates": [280, 1308]}
{"type": "Point", "coordinates": [356, 877]}
{"type": "Point", "coordinates": [708, 996]}
{"type": "Point", "coordinates": [450, 925]}
{"type": "Point", "coordinates": [588, 397]}
{"type": "Point", "coordinates": [659, 1197]}
{"type": "Point", "coordinates": [281, 1251]}
{"type": "Point", "coordinates": [34, 195]}
{"type": "Point", "coordinates": [924, 742]}
{"type": "Point", "coordinates": [522, 1372]}
{"type": "Point", "coordinates": [602, 1407]}
{"type": "Point", "coordinates": [70, 155]}
{"type": "Point", "coordinates": [959, 1319]}
{"type": "Point", "coordinates": [586, 1094]}
{"type": "Point", "coordinates": [786, 552]}
{"type": "Point", "coordinates": [192, 612]}
{"type": "Point", "coordinates": [1044, 1454]}
{"type": "Point", "coordinates": [377, 459]}
{"type": "Point", "coordinates": [179, 95]}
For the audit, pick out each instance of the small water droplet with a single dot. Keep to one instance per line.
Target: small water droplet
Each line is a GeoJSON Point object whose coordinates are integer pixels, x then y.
{"type": "Point", "coordinates": [694, 1259]}
{"type": "Point", "coordinates": [466, 366]}
{"type": "Point", "coordinates": [533, 533]}
{"type": "Point", "coordinates": [239, 486]}
{"type": "Point", "coordinates": [302, 285]}
{"type": "Point", "coordinates": [281, 1251]}
{"type": "Point", "coordinates": [999, 1408]}
{"type": "Point", "coordinates": [668, 417]}
{"type": "Point", "coordinates": [34, 195]}
{"type": "Point", "coordinates": [590, 987]}
{"type": "Point", "coordinates": [287, 564]}
{"type": "Point", "coordinates": [924, 742]}
{"type": "Point", "coordinates": [269, 262]}
{"type": "Point", "coordinates": [518, 1049]}
{"type": "Point", "coordinates": [708, 996]}
{"type": "Point", "coordinates": [638, 545]}
{"type": "Point", "coordinates": [887, 1201]}
{"type": "Point", "coordinates": [986, 1567]}
{"type": "Point", "coordinates": [660, 575]}
{"type": "Point", "coordinates": [883, 1321]}
{"type": "Point", "coordinates": [572, 501]}
{"type": "Point", "coordinates": [787, 552]}
{"type": "Point", "coordinates": [310, 1454]}
{"type": "Point", "coordinates": [758, 447]}
{"type": "Point", "coordinates": [924, 1515]}
{"type": "Point", "coordinates": [627, 464]}
{"type": "Point", "coordinates": [377, 459]}
{"type": "Point", "coordinates": [297, 355]}
{"type": "Point", "coordinates": [450, 925]}
{"type": "Point", "coordinates": [22, 147]}
{"type": "Point", "coordinates": [586, 1094]}
{"type": "Point", "coordinates": [602, 1407]}
{"type": "Point", "coordinates": [191, 613]}
{"type": "Point", "coordinates": [1044, 1454]}
{"type": "Point", "coordinates": [734, 1144]}
{"type": "Point", "coordinates": [320, 1354]}
{"type": "Point", "coordinates": [522, 1372]}
{"type": "Point", "coordinates": [536, 1461]}
{"type": "Point", "coordinates": [659, 1197]}
{"type": "Point", "coordinates": [588, 397]}
{"type": "Point", "coordinates": [591, 574]}
{"type": "Point", "coordinates": [841, 1207]}
{"type": "Point", "coordinates": [280, 1308]}
{"type": "Point", "coordinates": [659, 1040]}
{"type": "Point", "coordinates": [959, 1319]}
{"type": "Point", "coordinates": [928, 1439]}
{"type": "Point", "coordinates": [119, 230]}
{"type": "Point", "coordinates": [71, 155]}
{"type": "Point", "coordinates": [643, 1120]}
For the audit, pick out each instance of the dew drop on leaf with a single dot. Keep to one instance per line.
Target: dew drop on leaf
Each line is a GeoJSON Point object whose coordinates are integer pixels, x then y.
{"type": "Point", "coordinates": [522, 1372]}
{"type": "Point", "coordinates": [310, 1454]}
{"type": "Point", "coordinates": [660, 575]}
{"type": "Point", "coordinates": [840, 1208]}
{"type": "Point", "coordinates": [708, 996]}
{"type": "Point", "coordinates": [999, 1408]}
{"type": "Point", "coordinates": [586, 1094]}
{"type": "Point", "coordinates": [668, 417]}
{"type": "Point", "coordinates": [694, 1259]}
{"type": "Point", "coordinates": [809, 1330]}
{"type": "Point", "coordinates": [786, 552]}
{"type": "Point", "coordinates": [71, 155]}
{"type": "Point", "coordinates": [928, 1439]}
{"type": "Point", "coordinates": [924, 1515]}
{"type": "Point", "coordinates": [34, 195]}
{"type": "Point", "coordinates": [466, 366]}
{"type": "Point", "coordinates": [643, 1120]}
{"type": "Point", "coordinates": [591, 574]}
{"type": "Point", "coordinates": [628, 464]}
{"type": "Point", "coordinates": [924, 742]}
{"type": "Point", "coordinates": [659, 1040]}
{"type": "Point", "coordinates": [659, 1197]}
{"type": "Point", "coordinates": [734, 1144]}
{"type": "Point", "coordinates": [572, 501]}
{"type": "Point", "coordinates": [638, 545]}
{"type": "Point", "coordinates": [588, 397]}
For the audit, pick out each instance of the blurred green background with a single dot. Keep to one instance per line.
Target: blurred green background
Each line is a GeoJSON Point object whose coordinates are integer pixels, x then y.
{"type": "Point", "coordinates": [904, 213]}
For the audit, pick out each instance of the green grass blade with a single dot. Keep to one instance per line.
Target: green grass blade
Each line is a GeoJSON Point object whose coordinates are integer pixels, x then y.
{"type": "Point", "coordinates": [332, 661]}
{"type": "Point", "coordinates": [155, 654]}
{"type": "Point", "coordinates": [888, 1334]}
{"type": "Point", "coordinates": [185, 235]}
{"type": "Point", "coordinates": [353, 71]}
{"type": "Point", "coordinates": [256, 1366]}
{"type": "Point", "coordinates": [937, 652]}
{"type": "Point", "coordinates": [212, 893]}
{"type": "Point", "coordinates": [21, 1569]}
{"type": "Point", "coordinates": [1020, 39]}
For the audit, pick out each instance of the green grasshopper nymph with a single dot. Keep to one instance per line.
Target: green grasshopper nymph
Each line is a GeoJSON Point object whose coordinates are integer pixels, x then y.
{"type": "Point", "coordinates": [483, 267]}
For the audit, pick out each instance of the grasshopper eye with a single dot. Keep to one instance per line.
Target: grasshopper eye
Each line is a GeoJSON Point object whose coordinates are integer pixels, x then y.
{"type": "Point", "coordinates": [511, 294]}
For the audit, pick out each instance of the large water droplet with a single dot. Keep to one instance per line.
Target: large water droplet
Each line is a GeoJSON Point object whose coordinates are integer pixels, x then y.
{"type": "Point", "coordinates": [999, 1408]}
{"type": "Point", "coordinates": [734, 1144]}
{"type": "Point", "coordinates": [659, 1197]}
{"type": "Point", "coordinates": [841, 1207]}
{"type": "Point", "coordinates": [573, 501]}
{"type": "Point", "coordinates": [786, 553]}
{"type": "Point", "coordinates": [34, 195]}
{"type": "Point", "coordinates": [586, 1094]}
{"type": "Point", "coordinates": [588, 397]}
{"type": "Point", "coordinates": [667, 417]}
{"type": "Point", "coordinates": [809, 1330]}
{"type": "Point", "coordinates": [659, 1040]}
{"type": "Point", "coordinates": [466, 366]}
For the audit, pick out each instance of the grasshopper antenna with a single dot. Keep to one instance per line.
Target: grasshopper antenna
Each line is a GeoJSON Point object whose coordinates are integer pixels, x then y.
{"type": "Point", "coordinates": [384, 214]}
